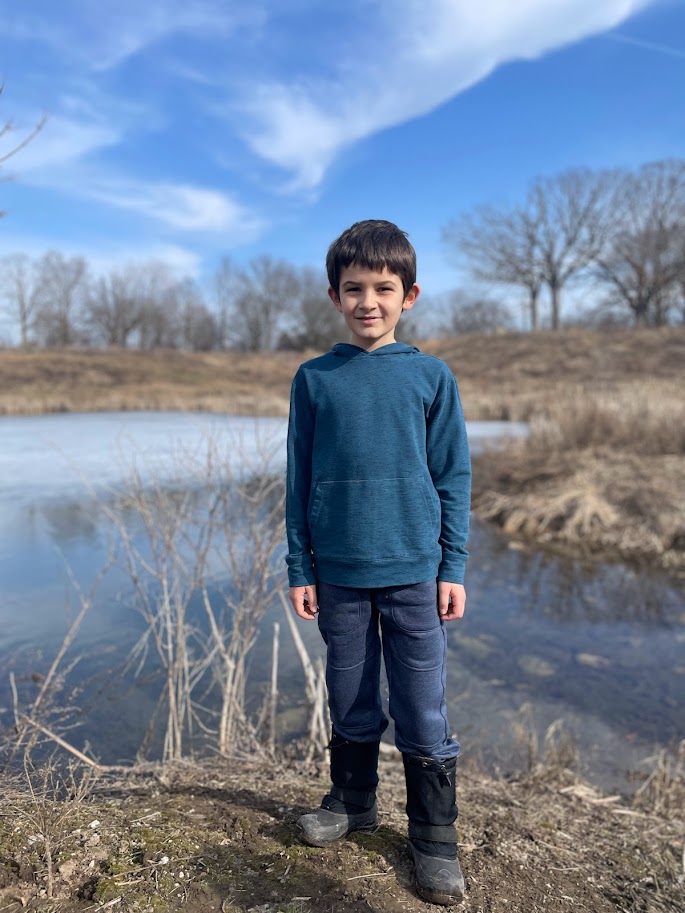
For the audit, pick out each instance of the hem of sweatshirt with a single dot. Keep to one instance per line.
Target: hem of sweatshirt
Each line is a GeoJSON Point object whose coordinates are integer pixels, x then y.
{"type": "Point", "coordinates": [368, 575]}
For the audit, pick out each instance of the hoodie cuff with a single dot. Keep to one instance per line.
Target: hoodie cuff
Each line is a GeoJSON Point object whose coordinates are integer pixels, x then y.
{"type": "Point", "coordinates": [452, 571]}
{"type": "Point", "coordinates": [300, 576]}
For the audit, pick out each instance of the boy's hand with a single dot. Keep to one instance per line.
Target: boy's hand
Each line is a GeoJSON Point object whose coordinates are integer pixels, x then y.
{"type": "Point", "coordinates": [449, 610]}
{"type": "Point", "coordinates": [304, 601]}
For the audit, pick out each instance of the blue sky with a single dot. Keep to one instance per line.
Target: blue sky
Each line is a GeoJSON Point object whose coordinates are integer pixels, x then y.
{"type": "Point", "coordinates": [185, 131]}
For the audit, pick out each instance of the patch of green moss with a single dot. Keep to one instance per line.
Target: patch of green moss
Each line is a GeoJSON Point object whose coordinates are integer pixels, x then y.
{"type": "Point", "coordinates": [379, 841]}
{"type": "Point", "coordinates": [106, 889]}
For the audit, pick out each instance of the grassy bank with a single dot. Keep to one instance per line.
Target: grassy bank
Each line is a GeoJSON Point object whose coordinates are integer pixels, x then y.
{"type": "Point", "coordinates": [34, 383]}
{"type": "Point", "coordinates": [602, 473]}
{"type": "Point", "coordinates": [223, 837]}
{"type": "Point", "coordinates": [501, 377]}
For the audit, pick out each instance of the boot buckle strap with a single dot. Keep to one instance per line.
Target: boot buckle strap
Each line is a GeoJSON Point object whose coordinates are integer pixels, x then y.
{"type": "Point", "coordinates": [442, 834]}
{"type": "Point", "coordinates": [353, 796]}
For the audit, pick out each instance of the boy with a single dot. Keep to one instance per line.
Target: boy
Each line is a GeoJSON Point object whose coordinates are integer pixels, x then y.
{"type": "Point", "coordinates": [377, 507]}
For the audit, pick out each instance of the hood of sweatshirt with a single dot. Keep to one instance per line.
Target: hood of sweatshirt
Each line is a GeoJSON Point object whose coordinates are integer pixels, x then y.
{"type": "Point", "coordinates": [347, 350]}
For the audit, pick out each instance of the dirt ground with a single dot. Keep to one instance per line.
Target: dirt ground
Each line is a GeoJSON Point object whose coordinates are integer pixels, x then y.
{"type": "Point", "coordinates": [222, 836]}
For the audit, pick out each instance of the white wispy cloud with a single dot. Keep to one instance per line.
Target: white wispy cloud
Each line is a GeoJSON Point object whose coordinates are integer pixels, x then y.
{"type": "Point", "coordinates": [176, 206]}
{"type": "Point", "coordinates": [62, 141]}
{"type": "Point", "coordinates": [63, 157]}
{"type": "Point", "coordinates": [104, 256]}
{"type": "Point", "coordinates": [409, 57]}
{"type": "Point", "coordinates": [657, 47]}
{"type": "Point", "coordinates": [179, 206]}
{"type": "Point", "coordinates": [110, 34]}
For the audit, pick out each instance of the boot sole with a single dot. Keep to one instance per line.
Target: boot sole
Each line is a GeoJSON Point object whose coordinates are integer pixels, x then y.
{"type": "Point", "coordinates": [438, 897]}
{"type": "Point", "coordinates": [320, 842]}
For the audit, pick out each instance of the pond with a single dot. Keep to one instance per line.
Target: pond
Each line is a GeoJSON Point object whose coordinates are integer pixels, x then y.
{"type": "Point", "coordinates": [544, 638]}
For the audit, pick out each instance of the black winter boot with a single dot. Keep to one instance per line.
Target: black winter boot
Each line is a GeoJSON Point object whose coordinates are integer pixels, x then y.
{"type": "Point", "coordinates": [432, 811]}
{"type": "Point", "coordinates": [351, 803]}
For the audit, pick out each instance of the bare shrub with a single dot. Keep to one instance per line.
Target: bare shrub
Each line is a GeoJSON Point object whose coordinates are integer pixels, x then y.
{"type": "Point", "coordinates": [200, 552]}
{"type": "Point", "coordinates": [554, 755]}
{"type": "Point", "coordinates": [663, 789]}
{"type": "Point", "coordinates": [53, 712]}
{"type": "Point", "coordinates": [248, 530]}
{"type": "Point", "coordinates": [203, 547]}
{"type": "Point", "coordinates": [49, 797]}
{"type": "Point", "coordinates": [634, 420]}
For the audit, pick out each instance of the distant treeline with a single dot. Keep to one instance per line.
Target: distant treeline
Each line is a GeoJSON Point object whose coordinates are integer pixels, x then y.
{"type": "Point", "coordinates": [618, 235]}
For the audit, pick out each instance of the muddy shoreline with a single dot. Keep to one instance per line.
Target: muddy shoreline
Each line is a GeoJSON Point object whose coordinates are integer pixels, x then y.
{"type": "Point", "coordinates": [222, 836]}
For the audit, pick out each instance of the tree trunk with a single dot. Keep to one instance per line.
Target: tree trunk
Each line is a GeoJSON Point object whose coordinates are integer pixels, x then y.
{"type": "Point", "coordinates": [533, 308]}
{"type": "Point", "coordinates": [555, 293]}
{"type": "Point", "coordinates": [640, 310]}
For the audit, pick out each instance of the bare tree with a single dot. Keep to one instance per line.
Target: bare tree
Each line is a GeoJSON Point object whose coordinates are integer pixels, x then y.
{"type": "Point", "coordinates": [322, 325]}
{"type": "Point", "coordinates": [314, 322]}
{"type": "Point", "coordinates": [63, 287]}
{"type": "Point", "coordinates": [501, 246]}
{"type": "Point", "coordinates": [198, 328]}
{"type": "Point", "coordinates": [160, 321]}
{"type": "Point", "coordinates": [20, 288]}
{"type": "Point", "coordinates": [573, 214]}
{"type": "Point", "coordinates": [469, 313]}
{"type": "Point", "coordinates": [643, 263]}
{"type": "Point", "coordinates": [680, 291]}
{"type": "Point", "coordinates": [267, 289]}
{"type": "Point", "coordinates": [225, 295]}
{"type": "Point", "coordinates": [114, 305]}
{"type": "Point", "coordinates": [550, 240]}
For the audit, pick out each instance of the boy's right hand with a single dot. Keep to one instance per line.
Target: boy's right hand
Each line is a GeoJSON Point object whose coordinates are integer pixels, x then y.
{"type": "Point", "coordinates": [304, 601]}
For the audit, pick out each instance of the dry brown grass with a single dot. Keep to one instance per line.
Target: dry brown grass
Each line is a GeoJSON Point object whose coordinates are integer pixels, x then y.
{"type": "Point", "coordinates": [500, 377]}
{"type": "Point", "coordinates": [603, 469]}
{"type": "Point", "coordinates": [599, 502]}
{"type": "Point", "coordinates": [509, 376]}
{"type": "Point", "coordinates": [602, 472]}
{"type": "Point", "coordinates": [646, 417]}
{"type": "Point", "coordinates": [94, 381]}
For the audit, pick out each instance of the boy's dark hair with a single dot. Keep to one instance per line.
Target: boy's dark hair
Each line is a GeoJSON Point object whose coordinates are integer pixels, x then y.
{"type": "Point", "coordinates": [372, 244]}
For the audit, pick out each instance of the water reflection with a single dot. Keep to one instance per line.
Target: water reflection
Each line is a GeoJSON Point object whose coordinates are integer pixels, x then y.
{"type": "Point", "coordinates": [599, 645]}
{"type": "Point", "coordinates": [572, 590]}
{"type": "Point", "coordinates": [64, 521]}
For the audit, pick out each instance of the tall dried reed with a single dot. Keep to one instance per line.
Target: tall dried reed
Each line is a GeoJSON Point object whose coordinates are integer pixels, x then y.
{"type": "Point", "coordinates": [644, 418]}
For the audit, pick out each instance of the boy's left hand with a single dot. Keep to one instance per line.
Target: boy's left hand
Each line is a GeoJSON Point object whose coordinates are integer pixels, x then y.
{"type": "Point", "coordinates": [451, 600]}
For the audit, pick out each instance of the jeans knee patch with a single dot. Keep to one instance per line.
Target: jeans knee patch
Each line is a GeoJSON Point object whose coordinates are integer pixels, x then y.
{"type": "Point", "coordinates": [422, 652]}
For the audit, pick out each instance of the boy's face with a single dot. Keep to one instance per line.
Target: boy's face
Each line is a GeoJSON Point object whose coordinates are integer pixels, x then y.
{"type": "Point", "coordinates": [371, 303]}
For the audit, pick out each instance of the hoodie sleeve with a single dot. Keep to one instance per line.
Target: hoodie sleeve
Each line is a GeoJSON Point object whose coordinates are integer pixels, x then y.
{"type": "Point", "coordinates": [298, 483]}
{"type": "Point", "coordinates": [449, 464]}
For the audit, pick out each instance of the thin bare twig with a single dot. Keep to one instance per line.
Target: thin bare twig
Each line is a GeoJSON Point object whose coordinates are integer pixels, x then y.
{"type": "Point", "coordinates": [63, 743]}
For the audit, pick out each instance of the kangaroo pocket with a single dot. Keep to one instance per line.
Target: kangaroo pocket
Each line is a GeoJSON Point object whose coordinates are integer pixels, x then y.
{"type": "Point", "coordinates": [374, 518]}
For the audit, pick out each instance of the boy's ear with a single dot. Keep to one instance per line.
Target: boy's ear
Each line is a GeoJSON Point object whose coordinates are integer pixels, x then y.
{"type": "Point", "coordinates": [411, 297]}
{"type": "Point", "coordinates": [335, 298]}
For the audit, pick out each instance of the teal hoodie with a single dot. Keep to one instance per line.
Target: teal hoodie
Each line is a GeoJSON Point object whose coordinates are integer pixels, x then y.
{"type": "Point", "coordinates": [379, 475]}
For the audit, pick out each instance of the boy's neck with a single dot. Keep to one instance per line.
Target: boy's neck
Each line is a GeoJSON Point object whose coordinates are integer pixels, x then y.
{"type": "Point", "coordinates": [370, 345]}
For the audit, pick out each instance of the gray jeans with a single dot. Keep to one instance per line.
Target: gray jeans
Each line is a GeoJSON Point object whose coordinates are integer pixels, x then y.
{"type": "Point", "coordinates": [414, 650]}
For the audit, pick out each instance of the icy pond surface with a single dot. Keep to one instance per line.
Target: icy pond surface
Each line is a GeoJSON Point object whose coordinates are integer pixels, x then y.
{"type": "Point", "coordinates": [544, 638]}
